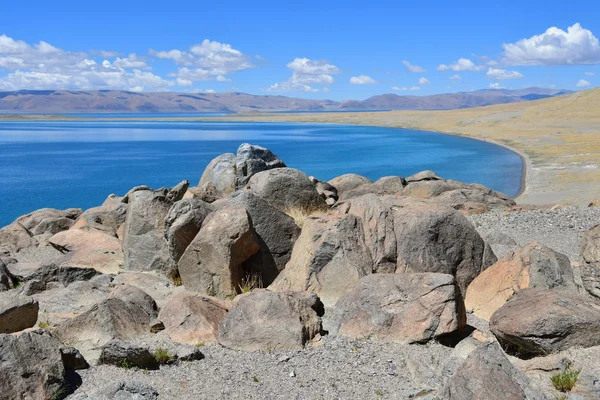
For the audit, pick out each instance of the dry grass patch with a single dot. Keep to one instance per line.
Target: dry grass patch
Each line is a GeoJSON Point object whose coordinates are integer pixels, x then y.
{"type": "Point", "coordinates": [300, 214]}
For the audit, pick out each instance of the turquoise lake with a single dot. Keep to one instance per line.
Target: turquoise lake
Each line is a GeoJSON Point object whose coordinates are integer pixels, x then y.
{"type": "Point", "coordinates": [78, 164]}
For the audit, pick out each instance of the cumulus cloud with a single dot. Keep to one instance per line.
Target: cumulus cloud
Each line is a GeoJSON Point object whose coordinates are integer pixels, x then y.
{"type": "Point", "coordinates": [455, 77]}
{"type": "Point", "coordinates": [463, 64]}
{"type": "Point", "coordinates": [406, 89]}
{"type": "Point", "coordinates": [362, 80]}
{"type": "Point", "coordinates": [305, 74]}
{"type": "Point", "coordinates": [583, 83]}
{"type": "Point", "coordinates": [555, 47]}
{"type": "Point", "coordinates": [423, 81]}
{"type": "Point", "coordinates": [496, 85]}
{"type": "Point", "coordinates": [413, 68]}
{"type": "Point", "coordinates": [132, 61]}
{"type": "Point", "coordinates": [503, 74]}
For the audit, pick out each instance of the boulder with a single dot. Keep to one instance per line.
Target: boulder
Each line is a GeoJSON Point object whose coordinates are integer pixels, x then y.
{"type": "Point", "coordinates": [431, 237]}
{"type": "Point", "coordinates": [329, 257]}
{"type": "Point", "coordinates": [207, 192]}
{"type": "Point", "coordinates": [7, 280]}
{"type": "Point", "coordinates": [49, 220]}
{"type": "Point", "coordinates": [387, 185]}
{"type": "Point", "coordinates": [213, 263]}
{"type": "Point", "coordinates": [63, 274]}
{"type": "Point", "coordinates": [134, 295]}
{"type": "Point", "coordinates": [90, 248]}
{"type": "Point", "coordinates": [193, 319]}
{"type": "Point", "coordinates": [347, 182]}
{"type": "Point", "coordinates": [14, 238]}
{"type": "Point", "coordinates": [276, 231]}
{"type": "Point", "coordinates": [426, 175]}
{"type": "Point", "coordinates": [252, 159]}
{"type": "Point", "coordinates": [52, 226]}
{"type": "Point", "coordinates": [537, 322]}
{"type": "Point", "coordinates": [221, 174]}
{"type": "Point", "coordinates": [286, 189]}
{"type": "Point", "coordinates": [155, 284]}
{"type": "Point", "coordinates": [488, 374]}
{"type": "Point", "coordinates": [17, 312]}
{"type": "Point", "coordinates": [325, 190]}
{"type": "Point", "coordinates": [124, 354]}
{"type": "Point", "coordinates": [427, 189]}
{"type": "Point", "coordinates": [108, 217]}
{"type": "Point", "coordinates": [32, 366]}
{"type": "Point", "coordinates": [144, 245]}
{"type": "Point", "coordinates": [265, 320]}
{"type": "Point", "coordinates": [183, 222]}
{"type": "Point", "coordinates": [400, 308]}
{"type": "Point", "coordinates": [590, 260]}
{"type": "Point", "coordinates": [478, 195]}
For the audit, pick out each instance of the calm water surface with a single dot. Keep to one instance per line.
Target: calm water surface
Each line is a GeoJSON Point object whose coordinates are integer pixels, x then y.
{"type": "Point", "coordinates": [78, 164]}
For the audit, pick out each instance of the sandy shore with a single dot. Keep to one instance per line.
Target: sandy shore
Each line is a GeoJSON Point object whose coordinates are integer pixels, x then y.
{"type": "Point", "coordinates": [558, 138]}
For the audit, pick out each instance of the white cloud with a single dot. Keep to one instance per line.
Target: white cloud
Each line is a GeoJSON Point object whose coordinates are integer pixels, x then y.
{"type": "Point", "coordinates": [362, 80]}
{"type": "Point", "coordinates": [413, 68]}
{"type": "Point", "coordinates": [132, 61]}
{"type": "Point", "coordinates": [583, 83]}
{"type": "Point", "coordinates": [455, 77]}
{"type": "Point", "coordinates": [423, 81]}
{"type": "Point", "coordinates": [503, 74]}
{"type": "Point", "coordinates": [406, 89]}
{"type": "Point", "coordinates": [463, 64]}
{"type": "Point", "coordinates": [496, 85]}
{"type": "Point", "coordinates": [305, 74]}
{"type": "Point", "coordinates": [555, 47]}
{"type": "Point", "coordinates": [589, 73]}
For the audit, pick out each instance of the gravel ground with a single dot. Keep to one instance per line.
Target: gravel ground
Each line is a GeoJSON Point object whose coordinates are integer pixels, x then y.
{"type": "Point", "coordinates": [559, 229]}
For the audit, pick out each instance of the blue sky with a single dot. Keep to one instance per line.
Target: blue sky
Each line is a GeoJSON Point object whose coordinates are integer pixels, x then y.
{"type": "Point", "coordinates": [326, 49]}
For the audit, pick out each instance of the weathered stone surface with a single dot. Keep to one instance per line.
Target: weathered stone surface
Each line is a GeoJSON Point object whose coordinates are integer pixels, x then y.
{"type": "Point", "coordinates": [213, 263]}
{"type": "Point", "coordinates": [538, 322]}
{"type": "Point", "coordinates": [286, 189]}
{"type": "Point", "coordinates": [124, 390]}
{"type": "Point", "coordinates": [90, 248]}
{"type": "Point", "coordinates": [64, 274]}
{"type": "Point", "coordinates": [121, 353]}
{"type": "Point", "coordinates": [14, 238]}
{"type": "Point", "coordinates": [52, 226]}
{"type": "Point", "coordinates": [207, 192]}
{"type": "Point", "coordinates": [481, 195]}
{"type": "Point", "coordinates": [191, 318]}
{"type": "Point", "coordinates": [325, 190]}
{"type": "Point", "coordinates": [17, 312]}
{"type": "Point", "coordinates": [220, 173]}
{"type": "Point", "coordinates": [328, 258]}
{"type": "Point", "coordinates": [426, 175]}
{"type": "Point", "coordinates": [387, 185]}
{"type": "Point", "coordinates": [401, 308]}
{"type": "Point", "coordinates": [590, 263]}
{"type": "Point", "coordinates": [251, 159]}
{"type": "Point", "coordinates": [488, 374]}
{"type": "Point", "coordinates": [182, 224]}
{"type": "Point", "coordinates": [155, 284]}
{"type": "Point", "coordinates": [144, 245]}
{"type": "Point", "coordinates": [48, 220]}
{"type": "Point", "coordinates": [134, 295]}
{"type": "Point", "coordinates": [347, 182]}
{"type": "Point", "coordinates": [431, 237]}
{"type": "Point", "coordinates": [31, 367]}
{"type": "Point", "coordinates": [427, 189]}
{"type": "Point", "coordinates": [532, 266]}
{"type": "Point", "coordinates": [276, 231]}
{"type": "Point", "coordinates": [107, 217]}
{"type": "Point", "coordinates": [263, 320]}
{"type": "Point", "coordinates": [7, 280]}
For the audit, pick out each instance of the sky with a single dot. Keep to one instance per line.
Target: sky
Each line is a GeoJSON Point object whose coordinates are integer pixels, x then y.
{"type": "Point", "coordinates": [332, 49]}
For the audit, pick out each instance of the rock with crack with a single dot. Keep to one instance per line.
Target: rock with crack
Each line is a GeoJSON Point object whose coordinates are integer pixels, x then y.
{"type": "Point", "coordinates": [182, 224]}
{"type": "Point", "coordinates": [251, 159]}
{"type": "Point", "coordinates": [17, 312]}
{"type": "Point", "coordinates": [263, 320]}
{"type": "Point", "coordinates": [590, 260]}
{"type": "Point", "coordinates": [400, 308]}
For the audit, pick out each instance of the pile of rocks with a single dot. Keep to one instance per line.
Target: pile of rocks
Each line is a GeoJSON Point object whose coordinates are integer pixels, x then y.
{"type": "Point", "coordinates": [262, 257]}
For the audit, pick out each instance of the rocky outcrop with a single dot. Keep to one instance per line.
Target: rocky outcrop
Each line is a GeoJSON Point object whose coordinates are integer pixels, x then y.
{"type": "Point", "coordinates": [49, 220]}
{"type": "Point", "coordinates": [213, 263]}
{"type": "Point", "coordinates": [108, 217]}
{"type": "Point", "coordinates": [124, 354]}
{"type": "Point", "coordinates": [182, 224]}
{"type": "Point", "coordinates": [286, 189]}
{"type": "Point", "coordinates": [144, 245]}
{"type": "Point", "coordinates": [265, 320]}
{"type": "Point", "coordinates": [532, 266]}
{"type": "Point", "coordinates": [401, 308]}
{"type": "Point", "coordinates": [347, 182]}
{"type": "Point", "coordinates": [326, 191]}
{"type": "Point", "coordinates": [193, 319]}
{"type": "Point", "coordinates": [387, 185]}
{"type": "Point", "coordinates": [221, 174]}
{"type": "Point", "coordinates": [538, 322]}
{"type": "Point", "coordinates": [252, 159]}
{"type": "Point", "coordinates": [329, 257]}
{"type": "Point", "coordinates": [488, 374]}
{"type": "Point", "coordinates": [7, 280]}
{"type": "Point", "coordinates": [17, 312]}
{"type": "Point", "coordinates": [590, 263]}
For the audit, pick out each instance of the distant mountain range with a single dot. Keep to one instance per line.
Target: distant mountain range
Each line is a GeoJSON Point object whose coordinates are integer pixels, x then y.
{"type": "Point", "coordinates": [67, 101]}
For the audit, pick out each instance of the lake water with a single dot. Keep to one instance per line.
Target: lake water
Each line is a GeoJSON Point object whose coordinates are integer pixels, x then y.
{"type": "Point", "coordinates": [78, 164]}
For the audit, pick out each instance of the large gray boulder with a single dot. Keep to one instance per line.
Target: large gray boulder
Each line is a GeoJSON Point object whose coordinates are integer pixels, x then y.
{"type": "Point", "coordinates": [537, 322]}
{"type": "Point", "coordinates": [252, 159]}
{"type": "Point", "coordinates": [590, 260]}
{"type": "Point", "coordinates": [49, 220]}
{"type": "Point", "coordinates": [387, 185]}
{"type": "Point", "coordinates": [213, 263]}
{"type": "Point", "coordinates": [17, 312]}
{"type": "Point", "coordinates": [265, 320]}
{"type": "Point", "coordinates": [31, 366]}
{"type": "Point", "coordinates": [347, 182]}
{"type": "Point", "coordinates": [400, 308]}
{"type": "Point", "coordinates": [488, 374]}
{"type": "Point", "coordinates": [108, 217]}
{"type": "Point", "coordinates": [144, 245]}
{"type": "Point", "coordinates": [221, 174]}
{"type": "Point", "coordinates": [287, 189]}
{"type": "Point", "coordinates": [276, 231]}
{"type": "Point", "coordinates": [329, 257]}
{"type": "Point", "coordinates": [182, 224]}
{"type": "Point", "coordinates": [121, 353]}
